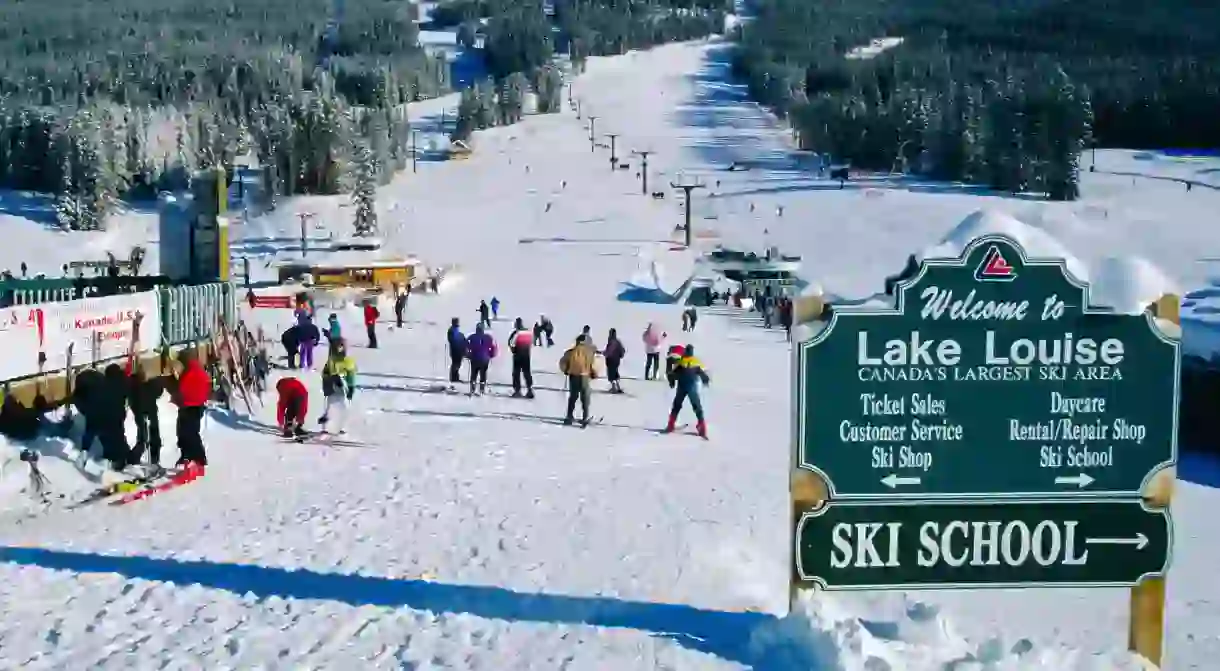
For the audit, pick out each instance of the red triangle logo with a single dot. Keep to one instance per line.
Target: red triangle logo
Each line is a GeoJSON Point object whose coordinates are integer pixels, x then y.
{"type": "Point", "coordinates": [995, 268]}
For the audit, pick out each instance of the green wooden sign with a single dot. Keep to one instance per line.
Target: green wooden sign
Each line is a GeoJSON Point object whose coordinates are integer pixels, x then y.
{"type": "Point", "coordinates": [993, 377]}
{"type": "Point", "coordinates": [941, 545]}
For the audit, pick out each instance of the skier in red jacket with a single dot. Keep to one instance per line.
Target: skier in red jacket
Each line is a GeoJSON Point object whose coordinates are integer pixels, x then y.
{"type": "Point", "coordinates": [292, 407]}
{"type": "Point", "coordinates": [194, 390]}
{"type": "Point", "coordinates": [370, 322]}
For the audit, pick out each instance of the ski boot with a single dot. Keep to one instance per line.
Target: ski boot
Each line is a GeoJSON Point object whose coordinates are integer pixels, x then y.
{"type": "Point", "coordinates": [673, 422]}
{"type": "Point", "coordinates": [701, 429]}
{"type": "Point", "coordinates": [529, 393]}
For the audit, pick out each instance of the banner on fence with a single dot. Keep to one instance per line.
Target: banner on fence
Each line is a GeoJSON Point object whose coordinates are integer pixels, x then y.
{"type": "Point", "coordinates": [96, 327]}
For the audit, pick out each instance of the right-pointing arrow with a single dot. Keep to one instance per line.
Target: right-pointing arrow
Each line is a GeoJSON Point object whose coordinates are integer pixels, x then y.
{"type": "Point", "coordinates": [894, 480]}
{"type": "Point", "coordinates": [1081, 481]}
{"type": "Point", "coordinates": [1140, 541]}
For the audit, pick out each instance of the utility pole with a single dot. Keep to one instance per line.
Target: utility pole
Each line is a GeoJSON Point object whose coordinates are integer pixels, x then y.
{"type": "Point", "coordinates": [592, 133]}
{"type": "Point", "coordinates": [644, 169]}
{"type": "Point", "coordinates": [304, 217]}
{"type": "Point", "coordinates": [414, 150]}
{"type": "Point", "coordinates": [613, 148]}
{"type": "Point", "coordinates": [687, 187]}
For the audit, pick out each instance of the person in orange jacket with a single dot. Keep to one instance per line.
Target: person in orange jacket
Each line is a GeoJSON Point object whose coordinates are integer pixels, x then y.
{"type": "Point", "coordinates": [194, 390]}
{"type": "Point", "coordinates": [291, 409]}
{"type": "Point", "coordinates": [370, 322]}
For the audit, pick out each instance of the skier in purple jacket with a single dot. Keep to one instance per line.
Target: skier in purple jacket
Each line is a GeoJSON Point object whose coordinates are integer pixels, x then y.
{"type": "Point", "coordinates": [480, 349]}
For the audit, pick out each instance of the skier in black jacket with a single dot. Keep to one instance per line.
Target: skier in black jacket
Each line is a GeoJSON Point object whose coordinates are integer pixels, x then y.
{"type": "Point", "coordinates": [113, 416]}
{"type": "Point", "coordinates": [144, 391]}
{"type": "Point", "coordinates": [87, 396]}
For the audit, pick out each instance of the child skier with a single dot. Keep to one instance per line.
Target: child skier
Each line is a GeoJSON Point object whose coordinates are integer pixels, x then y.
{"type": "Point", "coordinates": [544, 328]}
{"type": "Point", "coordinates": [333, 330]}
{"type": "Point", "coordinates": [495, 307]}
{"type": "Point", "coordinates": [291, 407]}
{"type": "Point", "coordinates": [686, 375]}
{"type": "Point", "coordinates": [338, 386]}
{"type": "Point", "coordinates": [614, 353]}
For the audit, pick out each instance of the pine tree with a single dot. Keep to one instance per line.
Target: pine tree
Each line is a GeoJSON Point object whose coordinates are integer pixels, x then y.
{"type": "Point", "coordinates": [364, 193]}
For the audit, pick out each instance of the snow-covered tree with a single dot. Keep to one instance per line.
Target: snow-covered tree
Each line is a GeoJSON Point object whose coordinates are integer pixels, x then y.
{"type": "Point", "coordinates": [364, 192]}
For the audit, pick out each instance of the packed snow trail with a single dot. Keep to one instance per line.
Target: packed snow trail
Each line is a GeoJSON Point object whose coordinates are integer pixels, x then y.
{"type": "Point", "coordinates": [477, 533]}
{"type": "Point", "coordinates": [487, 498]}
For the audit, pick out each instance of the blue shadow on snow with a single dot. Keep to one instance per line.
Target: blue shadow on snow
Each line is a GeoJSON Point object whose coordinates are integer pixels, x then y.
{"type": "Point", "coordinates": [724, 634]}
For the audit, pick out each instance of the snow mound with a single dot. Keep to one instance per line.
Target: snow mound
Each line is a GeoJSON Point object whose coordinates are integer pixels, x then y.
{"type": "Point", "coordinates": [823, 633]}
{"type": "Point", "coordinates": [1128, 284]}
{"type": "Point", "coordinates": [1037, 242]}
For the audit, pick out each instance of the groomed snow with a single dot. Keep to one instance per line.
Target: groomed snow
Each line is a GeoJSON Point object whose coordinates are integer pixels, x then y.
{"type": "Point", "coordinates": [474, 533]}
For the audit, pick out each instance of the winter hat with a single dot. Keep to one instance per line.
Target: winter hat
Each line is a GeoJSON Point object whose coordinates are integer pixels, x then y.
{"type": "Point", "coordinates": [613, 333]}
{"type": "Point", "coordinates": [479, 328]}
{"type": "Point", "coordinates": [580, 338]}
{"type": "Point", "coordinates": [689, 350]}
{"type": "Point", "coordinates": [453, 322]}
{"type": "Point", "coordinates": [333, 317]}
{"type": "Point", "coordinates": [519, 324]}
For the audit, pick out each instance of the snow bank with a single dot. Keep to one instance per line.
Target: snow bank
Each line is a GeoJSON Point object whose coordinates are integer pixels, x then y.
{"type": "Point", "coordinates": [1037, 242]}
{"type": "Point", "coordinates": [824, 633]}
{"type": "Point", "coordinates": [1127, 284]}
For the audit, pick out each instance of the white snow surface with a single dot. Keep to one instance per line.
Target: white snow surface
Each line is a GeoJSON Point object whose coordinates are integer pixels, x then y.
{"type": "Point", "coordinates": [476, 533]}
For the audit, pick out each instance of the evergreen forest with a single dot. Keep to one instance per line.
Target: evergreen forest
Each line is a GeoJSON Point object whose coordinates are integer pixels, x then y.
{"type": "Point", "coordinates": [1003, 93]}
{"type": "Point", "coordinates": [106, 101]}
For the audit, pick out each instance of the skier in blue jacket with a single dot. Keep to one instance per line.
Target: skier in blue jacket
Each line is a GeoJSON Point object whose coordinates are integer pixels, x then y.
{"type": "Point", "coordinates": [457, 351]}
{"type": "Point", "coordinates": [686, 375]}
{"type": "Point", "coordinates": [481, 348]}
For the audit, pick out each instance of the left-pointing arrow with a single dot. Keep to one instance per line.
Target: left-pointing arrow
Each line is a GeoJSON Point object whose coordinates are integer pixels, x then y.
{"type": "Point", "coordinates": [894, 480]}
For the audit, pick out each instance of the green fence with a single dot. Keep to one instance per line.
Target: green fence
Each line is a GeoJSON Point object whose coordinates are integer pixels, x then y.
{"type": "Point", "coordinates": [190, 313]}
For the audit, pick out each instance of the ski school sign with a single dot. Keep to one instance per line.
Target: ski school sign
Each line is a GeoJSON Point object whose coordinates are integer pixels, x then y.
{"type": "Point", "coordinates": [992, 429]}
{"type": "Point", "coordinates": [96, 328]}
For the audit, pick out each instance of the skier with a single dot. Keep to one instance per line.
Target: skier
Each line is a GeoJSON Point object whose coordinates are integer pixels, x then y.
{"type": "Point", "coordinates": [614, 353]}
{"type": "Point", "coordinates": [113, 416]}
{"type": "Point", "coordinates": [87, 396]}
{"type": "Point", "coordinates": [457, 352]}
{"type": "Point", "coordinates": [308, 337]}
{"type": "Point", "coordinates": [194, 388]}
{"type": "Point", "coordinates": [578, 364]}
{"type": "Point", "coordinates": [691, 316]}
{"type": "Point", "coordinates": [333, 330]}
{"type": "Point", "coordinates": [481, 349]}
{"type": "Point", "coordinates": [520, 343]}
{"type": "Point", "coordinates": [652, 351]}
{"type": "Point", "coordinates": [338, 386]}
{"type": "Point", "coordinates": [685, 377]}
{"type": "Point", "coordinates": [484, 313]}
{"type": "Point", "coordinates": [292, 344]}
{"type": "Point", "coordinates": [544, 327]}
{"type": "Point", "coordinates": [144, 390]}
{"type": "Point", "coordinates": [370, 322]}
{"type": "Point", "coordinates": [685, 321]}
{"type": "Point", "coordinates": [495, 308]}
{"type": "Point", "coordinates": [400, 305]}
{"type": "Point", "coordinates": [671, 359]}
{"type": "Point", "coordinates": [292, 406]}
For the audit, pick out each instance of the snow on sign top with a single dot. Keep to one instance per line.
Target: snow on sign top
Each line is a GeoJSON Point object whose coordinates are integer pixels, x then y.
{"type": "Point", "coordinates": [992, 377]}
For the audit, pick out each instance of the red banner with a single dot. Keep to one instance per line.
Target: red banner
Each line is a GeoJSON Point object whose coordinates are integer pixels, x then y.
{"type": "Point", "coordinates": [282, 302]}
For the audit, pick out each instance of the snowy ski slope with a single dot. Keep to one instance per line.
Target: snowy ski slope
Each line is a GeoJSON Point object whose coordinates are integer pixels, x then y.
{"type": "Point", "coordinates": [477, 533]}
